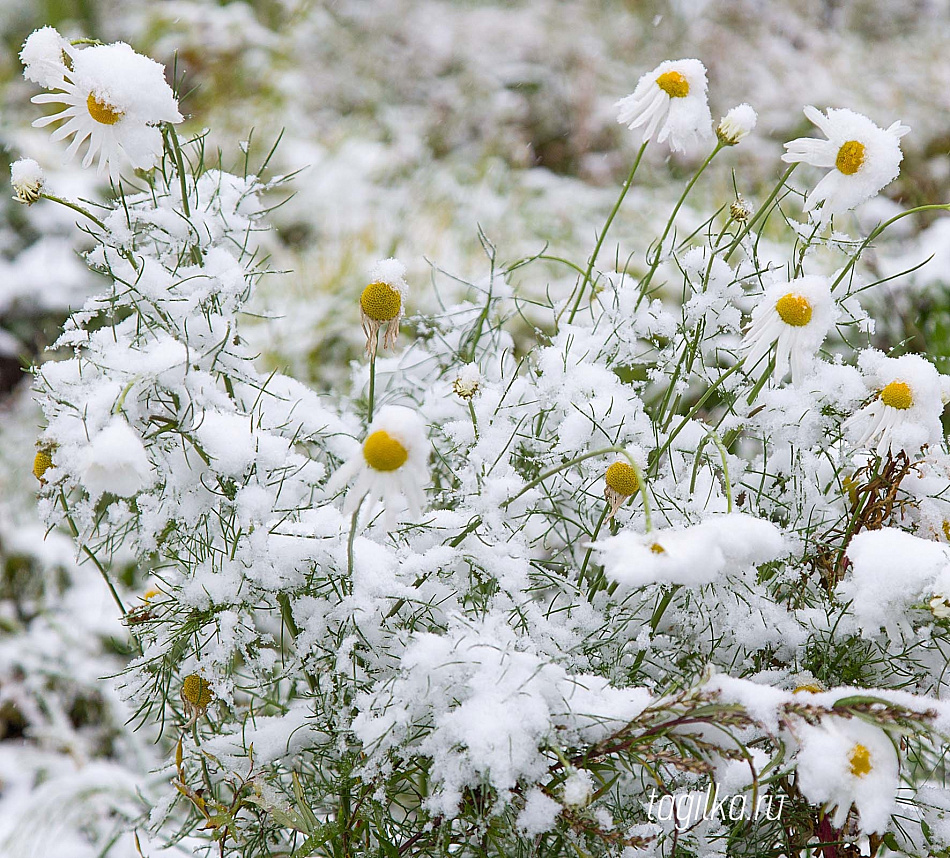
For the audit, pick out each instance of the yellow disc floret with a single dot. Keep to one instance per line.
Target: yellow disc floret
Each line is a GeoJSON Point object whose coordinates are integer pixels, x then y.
{"type": "Point", "coordinates": [808, 688]}
{"type": "Point", "coordinates": [794, 310]}
{"type": "Point", "coordinates": [860, 760]}
{"type": "Point", "coordinates": [196, 691]}
{"type": "Point", "coordinates": [656, 548]}
{"type": "Point", "coordinates": [622, 479]}
{"type": "Point", "coordinates": [673, 84]}
{"type": "Point", "coordinates": [383, 452]}
{"type": "Point", "coordinates": [850, 157]}
{"type": "Point", "coordinates": [41, 464]}
{"type": "Point", "coordinates": [897, 395]}
{"type": "Point", "coordinates": [381, 302]}
{"type": "Point", "coordinates": [103, 113]}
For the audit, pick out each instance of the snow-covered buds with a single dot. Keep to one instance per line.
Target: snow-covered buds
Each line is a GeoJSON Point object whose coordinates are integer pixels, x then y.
{"type": "Point", "coordinates": [736, 125]}
{"type": "Point", "coordinates": [27, 178]}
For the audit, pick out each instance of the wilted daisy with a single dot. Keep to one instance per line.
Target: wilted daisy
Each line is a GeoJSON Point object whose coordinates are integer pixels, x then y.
{"type": "Point", "coordinates": [113, 100]}
{"type": "Point", "coordinates": [904, 413]}
{"type": "Point", "coordinates": [392, 462]}
{"type": "Point", "coordinates": [467, 382]}
{"type": "Point", "coordinates": [382, 303]}
{"type": "Point", "coordinates": [621, 483]}
{"type": "Point", "coordinates": [27, 179]}
{"type": "Point", "coordinates": [736, 125]}
{"type": "Point", "coordinates": [669, 102]}
{"type": "Point", "coordinates": [795, 317]}
{"type": "Point", "coordinates": [844, 762]}
{"type": "Point", "coordinates": [196, 696]}
{"type": "Point", "coordinates": [862, 157]}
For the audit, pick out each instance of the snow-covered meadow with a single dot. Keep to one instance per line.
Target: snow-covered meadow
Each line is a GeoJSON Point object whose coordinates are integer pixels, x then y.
{"type": "Point", "coordinates": [453, 426]}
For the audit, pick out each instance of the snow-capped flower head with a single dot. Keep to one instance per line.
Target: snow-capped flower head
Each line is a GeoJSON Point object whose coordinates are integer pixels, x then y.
{"type": "Point", "coordinates": [669, 103]}
{"type": "Point", "coordinates": [621, 483]}
{"type": "Point", "coordinates": [383, 303]}
{"type": "Point", "coordinates": [467, 382]}
{"type": "Point", "coordinates": [862, 158]}
{"type": "Point", "coordinates": [113, 101]}
{"type": "Point", "coordinates": [848, 761]}
{"type": "Point", "coordinates": [795, 317]}
{"type": "Point", "coordinates": [940, 607]}
{"type": "Point", "coordinates": [904, 413]}
{"type": "Point", "coordinates": [740, 210]}
{"type": "Point", "coordinates": [46, 58]}
{"type": "Point", "coordinates": [392, 462]}
{"type": "Point", "coordinates": [116, 462]}
{"type": "Point", "coordinates": [736, 125]}
{"type": "Point", "coordinates": [27, 178]}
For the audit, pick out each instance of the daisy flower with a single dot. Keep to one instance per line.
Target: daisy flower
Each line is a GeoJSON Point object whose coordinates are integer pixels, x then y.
{"type": "Point", "coordinates": [382, 304]}
{"type": "Point", "coordinates": [736, 125]}
{"type": "Point", "coordinates": [112, 100]}
{"type": "Point", "coordinates": [392, 462]}
{"type": "Point", "coordinates": [795, 317]}
{"type": "Point", "coordinates": [862, 157]}
{"type": "Point", "coordinates": [844, 762]}
{"type": "Point", "coordinates": [908, 401]}
{"type": "Point", "coordinates": [669, 103]}
{"type": "Point", "coordinates": [46, 58]}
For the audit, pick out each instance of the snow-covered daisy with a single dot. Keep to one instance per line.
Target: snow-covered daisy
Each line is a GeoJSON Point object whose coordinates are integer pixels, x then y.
{"type": "Point", "coordinates": [904, 414]}
{"type": "Point", "coordinates": [46, 57]}
{"type": "Point", "coordinates": [27, 179]}
{"type": "Point", "coordinates": [669, 103]}
{"type": "Point", "coordinates": [736, 125]}
{"type": "Point", "coordinates": [116, 462]}
{"type": "Point", "coordinates": [392, 462]}
{"type": "Point", "coordinates": [795, 317]}
{"type": "Point", "coordinates": [113, 101]}
{"type": "Point", "coordinates": [383, 302]}
{"type": "Point", "coordinates": [862, 157]}
{"type": "Point", "coordinates": [844, 762]}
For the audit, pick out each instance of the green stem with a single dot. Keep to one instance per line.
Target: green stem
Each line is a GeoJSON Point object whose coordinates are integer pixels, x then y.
{"type": "Point", "coordinates": [658, 256]}
{"type": "Point", "coordinates": [172, 136]}
{"type": "Point", "coordinates": [471, 411]}
{"type": "Point", "coordinates": [287, 615]}
{"type": "Point", "coordinates": [641, 478]}
{"type": "Point", "coordinates": [725, 467]}
{"type": "Point", "coordinates": [372, 381]}
{"type": "Point", "coordinates": [603, 233]}
{"type": "Point", "coordinates": [762, 209]}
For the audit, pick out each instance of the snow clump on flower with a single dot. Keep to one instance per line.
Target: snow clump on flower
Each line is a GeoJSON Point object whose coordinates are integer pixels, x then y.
{"type": "Point", "coordinates": [27, 178]}
{"type": "Point", "coordinates": [116, 462]}
{"type": "Point", "coordinates": [736, 125]}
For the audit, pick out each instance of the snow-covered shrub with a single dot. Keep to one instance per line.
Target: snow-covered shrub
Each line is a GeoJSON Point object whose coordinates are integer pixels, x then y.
{"type": "Point", "coordinates": [494, 594]}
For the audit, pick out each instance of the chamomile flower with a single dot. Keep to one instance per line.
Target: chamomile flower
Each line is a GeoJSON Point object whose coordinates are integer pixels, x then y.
{"type": "Point", "coordinates": [862, 158]}
{"type": "Point", "coordinates": [46, 58]}
{"type": "Point", "coordinates": [736, 125]}
{"type": "Point", "coordinates": [113, 100]}
{"type": "Point", "coordinates": [844, 762]}
{"type": "Point", "coordinates": [27, 179]}
{"type": "Point", "coordinates": [670, 103]}
{"type": "Point", "coordinates": [621, 483]}
{"type": "Point", "coordinates": [383, 303]}
{"type": "Point", "coordinates": [795, 317]}
{"type": "Point", "coordinates": [391, 465]}
{"type": "Point", "coordinates": [904, 413]}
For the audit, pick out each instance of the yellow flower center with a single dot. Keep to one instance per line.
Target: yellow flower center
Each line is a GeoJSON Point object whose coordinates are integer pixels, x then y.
{"type": "Point", "coordinates": [897, 395]}
{"type": "Point", "coordinates": [656, 548]}
{"type": "Point", "coordinates": [808, 688]}
{"type": "Point", "coordinates": [383, 452]}
{"type": "Point", "coordinates": [673, 84]}
{"type": "Point", "coordinates": [381, 302]}
{"type": "Point", "coordinates": [41, 464]}
{"type": "Point", "coordinates": [150, 594]}
{"type": "Point", "coordinates": [622, 479]}
{"type": "Point", "coordinates": [103, 113]}
{"type": "Point", "coordinates": [850, 158]}
{"type": "Point", "coordinates": [794, 310]}
{"type": "Point", "coordinates": [946, 529]}
{"type": "Point", "coordinates": [196, 690]}
{"type": "Point", "coordinates": [860, 760]}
